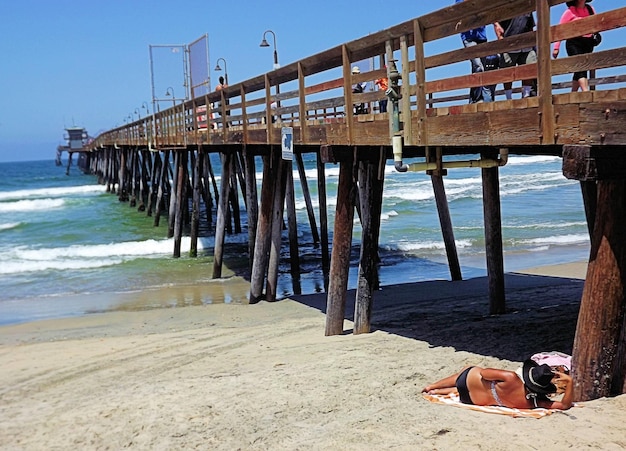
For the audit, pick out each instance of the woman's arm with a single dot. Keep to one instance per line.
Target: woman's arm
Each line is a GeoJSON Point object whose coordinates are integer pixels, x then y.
{"type": "Point", "coordinates": [567, 16]}
{"type": "Point", "coordinates": [494, 374]}
{"type": "Point", "coordinates": [568, 397]}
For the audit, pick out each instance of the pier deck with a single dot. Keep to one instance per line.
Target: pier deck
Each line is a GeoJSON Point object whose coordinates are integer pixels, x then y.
{"type": "Point", "coordinates": [428, 117]}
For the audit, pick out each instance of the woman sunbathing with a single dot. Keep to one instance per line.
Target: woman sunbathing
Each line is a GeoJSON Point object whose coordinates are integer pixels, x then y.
{"type": "Point", "coordinates": [494, 387]}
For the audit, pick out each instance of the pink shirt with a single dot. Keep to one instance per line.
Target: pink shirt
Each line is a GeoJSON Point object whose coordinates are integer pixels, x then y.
{"type": "Point", "coordinates": [572, 13]}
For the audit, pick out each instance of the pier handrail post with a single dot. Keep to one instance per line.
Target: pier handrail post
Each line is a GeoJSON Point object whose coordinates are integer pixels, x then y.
{"type": "Point", "coordinates": [544, 73]}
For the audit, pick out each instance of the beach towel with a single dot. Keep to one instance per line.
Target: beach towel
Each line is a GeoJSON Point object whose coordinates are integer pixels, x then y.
{"type": "Point", "coordinates": [452, 399]}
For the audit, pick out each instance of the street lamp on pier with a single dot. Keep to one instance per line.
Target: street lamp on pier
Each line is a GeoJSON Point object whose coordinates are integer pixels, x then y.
{"type": "Point", "coordinates": [264, 43]}
{"type": "Point", "coordinates": [137, 113]}
{"type": "Point", "coordinates": [144, 105]}
{"type": "Point", "coordinates": [170, 92]}
{"type": "Point", "coordinates": [218, 68]}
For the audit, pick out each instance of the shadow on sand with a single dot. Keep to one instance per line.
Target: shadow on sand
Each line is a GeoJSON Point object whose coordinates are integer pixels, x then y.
{"type": "Point", "coordinates": [541, 314]}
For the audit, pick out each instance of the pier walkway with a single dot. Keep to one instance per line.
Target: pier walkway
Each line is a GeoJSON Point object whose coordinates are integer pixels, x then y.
{"type": "Point", "coordinates": [309, 107]}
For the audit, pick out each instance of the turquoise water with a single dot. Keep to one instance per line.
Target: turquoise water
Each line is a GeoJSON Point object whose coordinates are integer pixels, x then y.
{"type": "Point", "coordinates": [64, 238]}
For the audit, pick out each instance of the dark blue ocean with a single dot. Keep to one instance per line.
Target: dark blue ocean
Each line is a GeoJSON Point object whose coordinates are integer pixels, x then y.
{"type": "Point", "coordinates": [69, 248]}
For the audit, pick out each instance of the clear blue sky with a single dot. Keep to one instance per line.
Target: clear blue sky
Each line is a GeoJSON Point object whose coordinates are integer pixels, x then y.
{"type": "Point", "coordinates": [84, 63]}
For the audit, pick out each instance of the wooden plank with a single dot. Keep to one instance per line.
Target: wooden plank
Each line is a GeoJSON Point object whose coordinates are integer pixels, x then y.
{"type": "Point", "coordinates": [598, 60]}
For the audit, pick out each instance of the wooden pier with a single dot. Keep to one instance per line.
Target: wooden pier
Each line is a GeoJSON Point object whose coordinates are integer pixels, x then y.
{"type": "Point", "coordinates": [426, 118]}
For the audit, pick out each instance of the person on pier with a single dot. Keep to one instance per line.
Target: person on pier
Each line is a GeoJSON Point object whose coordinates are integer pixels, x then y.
{"type": "Point", "coordinates": [511, 27]}
{"type": "Point", "coordinates": [579, 45]}
{"type": "Point", "coordinates": [471, 38]}
{"type": "Point", "coordinates": [496, 387]}
{"type": "Point", "coordinates": [358, 88]}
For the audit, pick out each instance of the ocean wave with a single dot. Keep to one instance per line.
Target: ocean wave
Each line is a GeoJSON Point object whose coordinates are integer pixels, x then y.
{"type": "Point", "coordinates": [534, 159]}
{"type": "Point", "coordinates": [31, 205]}
{"type": "Point", "coordinates": [547, 225]}
{"type": "Point", "coordinates": [9, 225]}
{"type": "Point", "coordinates": [62, 191]}
{"type": "Point", "coordinates": [27, 259]}
{"type": "Point", "coordinates": [411, 246]}
{"type": "Point", "coordinates": [579, 238]}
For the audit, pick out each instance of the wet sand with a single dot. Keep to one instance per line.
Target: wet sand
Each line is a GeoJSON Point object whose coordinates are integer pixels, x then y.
{"type": "Point", "coordinates": [264, 376]}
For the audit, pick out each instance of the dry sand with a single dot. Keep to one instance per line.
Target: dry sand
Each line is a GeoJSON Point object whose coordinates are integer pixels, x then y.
{"type": "Point", "coordinates": [264, 377]}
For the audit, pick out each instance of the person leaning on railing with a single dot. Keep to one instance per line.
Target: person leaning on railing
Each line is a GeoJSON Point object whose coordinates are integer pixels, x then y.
{"type": "Point", "coordinates": [579, 45]}
{"type": "Point", "coordinates": [471, 38]}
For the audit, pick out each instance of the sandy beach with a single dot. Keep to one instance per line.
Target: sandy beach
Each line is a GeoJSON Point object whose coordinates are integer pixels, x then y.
{"type": "Point", "coordinates": [264, 376]}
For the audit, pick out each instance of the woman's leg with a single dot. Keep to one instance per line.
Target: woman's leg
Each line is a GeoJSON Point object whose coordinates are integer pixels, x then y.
{"type": "Point", "coordinates": [445, 385]}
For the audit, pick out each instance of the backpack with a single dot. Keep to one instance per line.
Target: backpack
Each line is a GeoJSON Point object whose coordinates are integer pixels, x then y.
{"type": "Point", "coordinates": [597, 37]}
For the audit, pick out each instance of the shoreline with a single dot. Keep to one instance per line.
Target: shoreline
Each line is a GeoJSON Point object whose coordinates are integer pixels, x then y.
{"type": "Point", "coordinates": [264, 376]}
{"type": "Point", "coordinates": [233, 290]}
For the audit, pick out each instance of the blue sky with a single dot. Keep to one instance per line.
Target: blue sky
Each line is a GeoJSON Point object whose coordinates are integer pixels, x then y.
{"type": "Point", "coordinates": [69, 62]}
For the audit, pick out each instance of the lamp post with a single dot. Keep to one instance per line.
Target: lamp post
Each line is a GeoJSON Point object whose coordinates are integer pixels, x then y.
{"type": "Point", "coordinates": [218, 68]}
{"type": "Point", "coordinates": [137, 113]}
{"type": "Point", "coordinates": [168, 93]}
{"type": "Point", "coordinates": [264, 43]}
{"type": "Point", "coordinates": [144, 105]}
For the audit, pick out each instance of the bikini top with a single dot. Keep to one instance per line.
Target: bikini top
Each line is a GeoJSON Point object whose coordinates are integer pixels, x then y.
{"type": "Point", "coordinates": [495, 393]}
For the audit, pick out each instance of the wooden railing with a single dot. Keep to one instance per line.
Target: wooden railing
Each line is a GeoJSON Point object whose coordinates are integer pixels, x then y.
{"type": "Point", "coordinates": [311, 95]}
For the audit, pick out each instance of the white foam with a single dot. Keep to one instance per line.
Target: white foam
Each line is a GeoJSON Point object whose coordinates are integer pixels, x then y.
{"type": "Point", "coordinates": [408, 246]}
{"type": "Point", "coordinates": [31, 205]}
{"type": "Point", "coordinates": [9, 225]}
{"type": "Point", "coordinates": [52, 192]}
{"type": "Point", "coordinates": [534, 159]}
{"type": "Point", "coordinates": [558, 239]}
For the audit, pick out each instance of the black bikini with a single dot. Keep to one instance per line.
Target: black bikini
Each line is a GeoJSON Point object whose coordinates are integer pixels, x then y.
{"type": "Point", "coordinates": [461, 385]}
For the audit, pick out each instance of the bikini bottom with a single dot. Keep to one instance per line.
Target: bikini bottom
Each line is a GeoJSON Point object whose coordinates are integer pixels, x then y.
{"type": "Point", "coordinates": [461, 385]}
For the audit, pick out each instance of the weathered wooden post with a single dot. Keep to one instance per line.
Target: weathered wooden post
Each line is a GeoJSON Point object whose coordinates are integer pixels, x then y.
{"type": "Point", "coordinates": [252, 202]}
{"type": "Point", "coordinates": [292, 221]}
{"type": "Point", "coordinates": [264, 227]}
{"type": "Point", "coordinates": [321, 198]}
{"type": "Point", "coordinates": [276, 228]}
{"type": "Point", "coordinates": [220, 225]}
{"type": "Point", "coordinates": [173, 197]}
{"type": "Point", "coordinates": [599, 355]}
{"type": "Point", "coordinates": [195, 209]}
{"type": "Point", "coordinates": [342, 244]}
{"type": "Point", "coordinates": [493, 238]}
{"type": "Point", "coordinates": [307, 197]}
{"type": "Point", "coordinates": [158, 206]}
{"type": "Point", "coordinates": [371, 179]}
{"type": "Point", "coordinates": [445, 221]}
{"type": "Point", "coordinates": [181, 202]}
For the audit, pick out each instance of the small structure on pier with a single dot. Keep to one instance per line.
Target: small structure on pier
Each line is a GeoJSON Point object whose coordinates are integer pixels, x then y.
{"type": "Point", "coordinates": [77, 138]}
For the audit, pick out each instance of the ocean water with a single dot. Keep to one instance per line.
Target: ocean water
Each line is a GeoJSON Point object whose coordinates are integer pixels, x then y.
{"type": "Point", "coordinates": [68, 248]}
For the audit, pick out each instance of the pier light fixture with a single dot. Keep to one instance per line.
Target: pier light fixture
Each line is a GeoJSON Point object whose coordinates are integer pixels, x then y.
{"type": "Point", "coordinates": [137, 113]}
{"type": "Point", "coordinates": [218, 68]}
{"type": "Point", "coordinates": [144, 105]}
{"type": "Point", "coordinates": [170, 92]}
{"type": "Point", "coordinates": [264, 43]}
